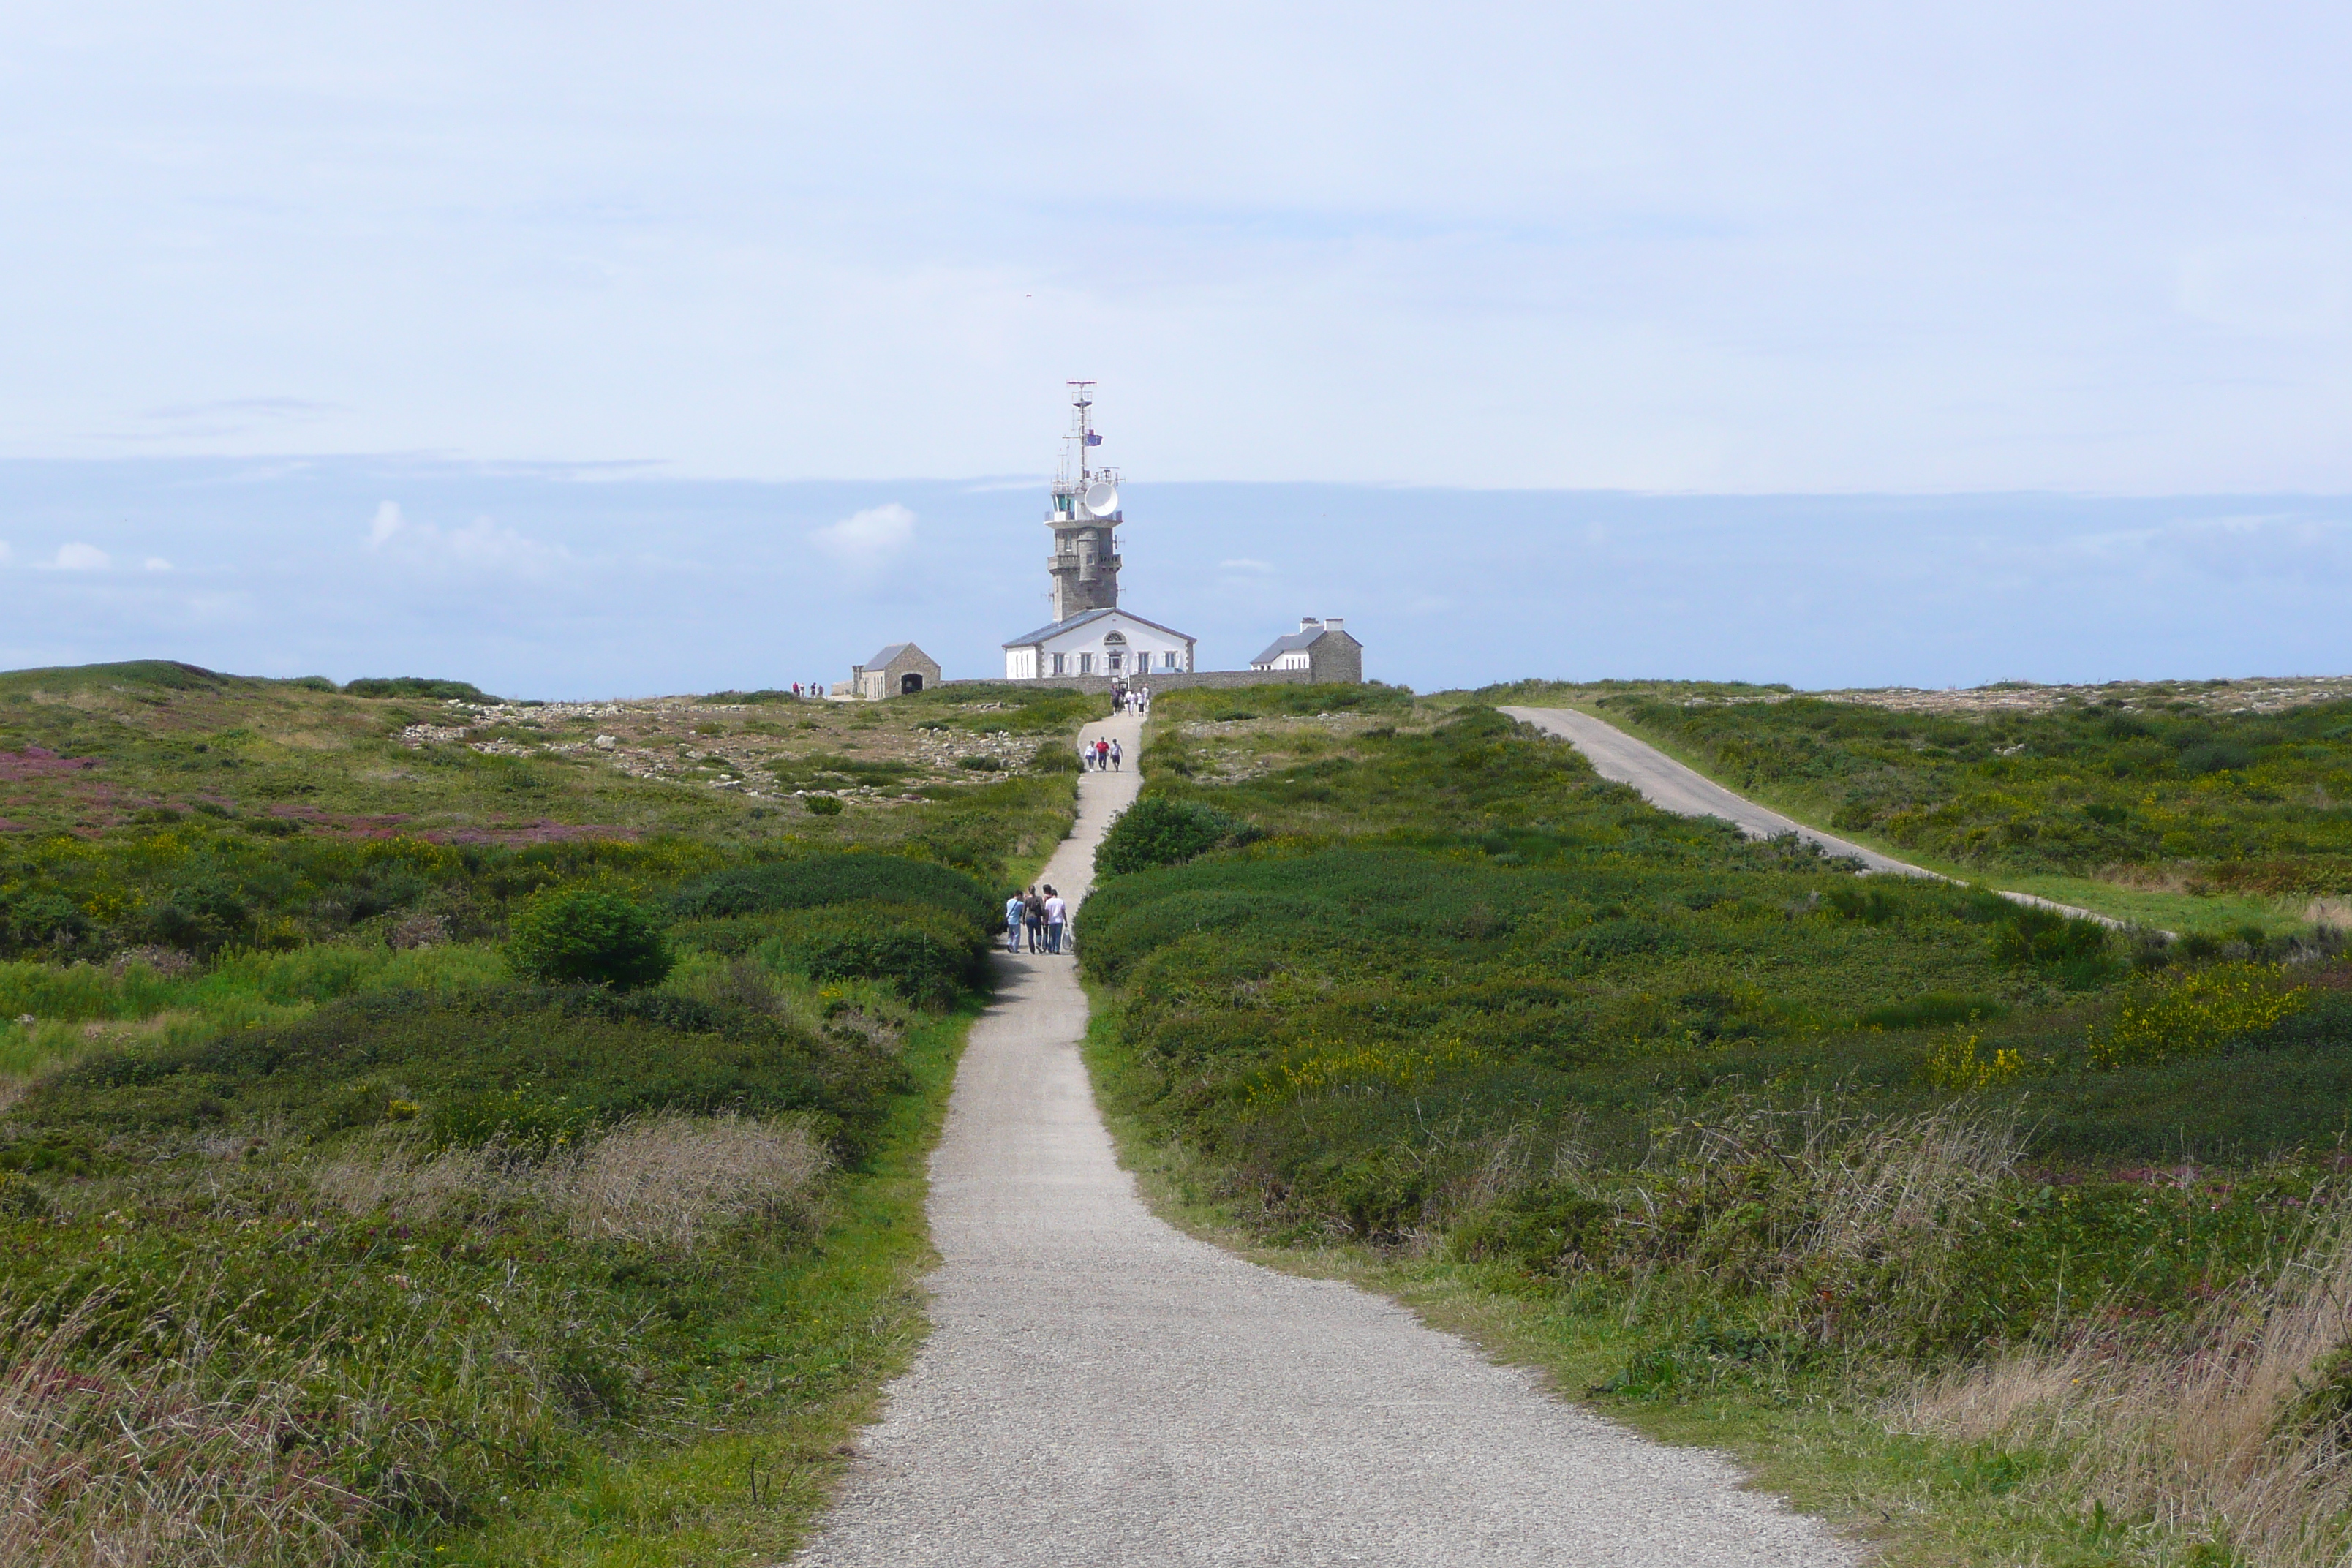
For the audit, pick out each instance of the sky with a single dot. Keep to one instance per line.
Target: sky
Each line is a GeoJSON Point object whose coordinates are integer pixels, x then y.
{"type": "Point", "coordinates": [2044, 308]}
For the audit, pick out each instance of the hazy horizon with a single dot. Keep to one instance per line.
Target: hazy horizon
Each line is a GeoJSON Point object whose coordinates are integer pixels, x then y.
{"type": "Point", "coordinates": [536, 581]}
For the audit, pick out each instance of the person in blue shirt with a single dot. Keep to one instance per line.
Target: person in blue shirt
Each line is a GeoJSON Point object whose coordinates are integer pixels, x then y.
{"type": "Point", "coordinates": [1016, 915]}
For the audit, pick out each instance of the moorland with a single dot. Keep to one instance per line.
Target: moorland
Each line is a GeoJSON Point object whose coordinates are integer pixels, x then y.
{"type": "Point", "coordinates": [446, 1130]}
{"type": "Point", "coordinates": [440, 1128]}
{"type": "Point", "coordinates": [1996, 1234]}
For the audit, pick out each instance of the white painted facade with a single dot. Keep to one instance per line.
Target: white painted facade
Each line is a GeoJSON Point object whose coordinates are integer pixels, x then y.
{"type": "Point", "coordinates": [1100, 642]}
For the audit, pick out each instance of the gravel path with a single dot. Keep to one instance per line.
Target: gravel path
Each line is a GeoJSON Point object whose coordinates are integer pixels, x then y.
{"type": "Point", "coordinates": [1671, 787]}
{"type": "Point", "coordinates": [1100, 1389]}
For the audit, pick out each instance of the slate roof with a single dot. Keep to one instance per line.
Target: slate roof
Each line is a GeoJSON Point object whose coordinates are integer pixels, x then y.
{"type": "Point", "coordinates": [1291, 644]}
{"type": "Point", "coordinates": [882, 661]}
{"type": "Point", "coordinates": [1057, 628]}
{"type": "Point", "coordinates": [1294, 643]}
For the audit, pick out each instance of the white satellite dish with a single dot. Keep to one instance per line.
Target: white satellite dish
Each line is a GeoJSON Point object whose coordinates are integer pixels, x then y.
{"type": "Point", "coordinates": [1102, 496]}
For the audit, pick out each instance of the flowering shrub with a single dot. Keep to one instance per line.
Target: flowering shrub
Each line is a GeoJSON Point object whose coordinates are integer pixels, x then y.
{"type": "Point", "coordinates": [1953, 1064]}
{"type": "Point", "coordinates": [2196, 1013]}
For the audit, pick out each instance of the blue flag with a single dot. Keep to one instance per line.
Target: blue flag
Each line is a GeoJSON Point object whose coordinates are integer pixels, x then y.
{"type": "Point", "coordinates": [1093, 439]}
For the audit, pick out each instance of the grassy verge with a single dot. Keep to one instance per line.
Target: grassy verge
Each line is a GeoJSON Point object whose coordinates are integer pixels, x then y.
{"type": "Point", "coordinates": [835, 1327]}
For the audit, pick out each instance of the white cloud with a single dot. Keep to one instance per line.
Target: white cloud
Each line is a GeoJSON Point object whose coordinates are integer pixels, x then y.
{"type": "Point", "coordinates": [157, 564]}
{"type": "Point", "coordinates": [385, 524]}
{"type": "Point", "coordinates": [79, 558]}
{"type": "Point", "coordinates": [482, 548]}
{"type": "Point", "coordinates": [867, 539]}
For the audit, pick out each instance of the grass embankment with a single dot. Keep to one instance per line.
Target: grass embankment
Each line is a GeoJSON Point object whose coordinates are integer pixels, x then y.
{"type": "Point", "coordinates": [2161, 806]}
{"type": "Point", "coordinates": [332, 1236]}
{"type": "Point", "coordinates": [1939, 1208]}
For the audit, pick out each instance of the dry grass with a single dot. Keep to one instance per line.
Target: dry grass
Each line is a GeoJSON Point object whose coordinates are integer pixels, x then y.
{"type": "Point", "coordinates": [2239, 1427]}
{"type": "Point", "coordinates": [128, 1464]}
{"type": "Point", "coordinates": [666, 1181]}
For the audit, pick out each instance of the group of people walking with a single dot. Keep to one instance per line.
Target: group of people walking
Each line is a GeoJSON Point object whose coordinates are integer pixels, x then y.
{"type": "Point", "coordinates": [1135, 701]}
{"type": "Point", "coordinates": [1102, 756]}
{"type": "Point", "coordinates": [1041, 916]}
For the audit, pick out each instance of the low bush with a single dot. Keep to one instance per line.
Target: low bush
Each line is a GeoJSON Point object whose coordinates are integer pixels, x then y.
{"type": "Point", "coordinates": [821, 879]}
{"type": "Point", "coordinates": [1159, 831]}
{"type": "Point", "coordinates": [517, 1063]}
{"type": "Point", "coordinates": [586, 936]}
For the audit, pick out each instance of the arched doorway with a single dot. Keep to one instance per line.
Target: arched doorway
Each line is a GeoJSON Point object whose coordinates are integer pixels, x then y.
{"type": "Point", "coordinates": [910, 683]}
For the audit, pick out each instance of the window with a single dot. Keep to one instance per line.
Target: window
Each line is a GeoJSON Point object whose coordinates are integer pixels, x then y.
{"type": "Point", "coordinates": [1117, 659]}
{"type": "Point", "coordinates": [1171, 661]}
{"type": "Point", "coordinates": [1057, 663]}
{"type": "Point", "coordinates": [1085, 664]}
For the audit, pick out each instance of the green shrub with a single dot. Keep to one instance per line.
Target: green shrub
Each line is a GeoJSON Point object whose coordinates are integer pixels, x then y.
{"type": "Point", "coordinates": [929, 955]}
{"type": "Point", "coordinates": [820, 879]}
{"type": "Point", "coordinates": [417, 686]}
{"type": "Point", "coordinates": [519, 1060]}
{"type": "Point", "coordinates": [2038, 936]}
{"type": "Point", "coordinates": [822, 805]}
{"type": "Point", "coordinates": [1160, 831]}
{"type": "Point", "coordinates": [586, 936]}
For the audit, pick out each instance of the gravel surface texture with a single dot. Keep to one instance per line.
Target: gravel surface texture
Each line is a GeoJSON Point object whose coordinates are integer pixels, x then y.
{"type": "Point", "coordinates": [1101, 1389]}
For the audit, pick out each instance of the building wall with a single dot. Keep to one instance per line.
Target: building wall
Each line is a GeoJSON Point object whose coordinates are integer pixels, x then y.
{"type": "Point", "coordinates": [1164, 681]}
{"type": "Point", "coordinates": [1335, 657]}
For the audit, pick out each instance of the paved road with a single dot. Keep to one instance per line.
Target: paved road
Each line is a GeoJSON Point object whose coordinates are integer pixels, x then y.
{"type": "Point", "coordinates": [1670, 786]}
{"type": "Point", "coordinates": [1101, 1390]}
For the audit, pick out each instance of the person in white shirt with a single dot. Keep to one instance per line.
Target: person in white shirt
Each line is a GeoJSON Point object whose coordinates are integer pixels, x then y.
{"type": "Point", "coordinates": [1014, 910]}
{"type": "Point", "coordinates": [1057, 914]}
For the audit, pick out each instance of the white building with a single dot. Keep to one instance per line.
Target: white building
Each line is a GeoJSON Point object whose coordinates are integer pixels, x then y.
{"type": "Point", "coordinates": [1099, 642]}
{"type": "Point", "coordinates": [1091, 635]}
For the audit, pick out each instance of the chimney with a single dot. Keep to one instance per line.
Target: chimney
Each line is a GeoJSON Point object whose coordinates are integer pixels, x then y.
{"type": "Point", "coordinates": [1333, 624]}
{"type": "Point", "coordinates": [1308, 624]}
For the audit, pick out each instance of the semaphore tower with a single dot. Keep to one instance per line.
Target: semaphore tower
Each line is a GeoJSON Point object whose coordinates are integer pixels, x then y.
{"type": "Point", "coordinates": [1090, 634]}
{"type": "Point", "coordinates": [1085, 563]}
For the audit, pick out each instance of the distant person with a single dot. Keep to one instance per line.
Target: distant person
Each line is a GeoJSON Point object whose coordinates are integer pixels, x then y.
{"type": "Point", "coordinates": [1102, 755]}
{"type": "Point", "coordinates": [1032, 915]}
{"type": "Point", "coordinates": [1116, 754]}
{"type": "Point", "coordinates": [1085, 755]}
{"type": "Point", "coordinates": [1057, 915]}
{"type": "Point", "coordinates": [1016, 915]}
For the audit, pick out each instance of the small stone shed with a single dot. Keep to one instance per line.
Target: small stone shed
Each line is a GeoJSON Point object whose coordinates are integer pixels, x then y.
{"type": "Point", "coordinates": [1322, 646]}
{"type": "Point", "coordinates": [899, 670]}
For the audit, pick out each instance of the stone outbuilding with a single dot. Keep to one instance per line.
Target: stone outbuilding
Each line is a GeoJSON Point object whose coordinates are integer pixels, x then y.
{"type": "Point", "coordinates": [1323, 647]}
{"type": "Point", "coordinates": [899, 670]}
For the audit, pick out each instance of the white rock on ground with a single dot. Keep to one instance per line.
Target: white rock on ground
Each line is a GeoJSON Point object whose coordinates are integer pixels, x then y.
{"type": "Point", "coordinates": [1099, 1389]}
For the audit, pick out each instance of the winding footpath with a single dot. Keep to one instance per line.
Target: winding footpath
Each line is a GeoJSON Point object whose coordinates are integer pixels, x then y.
{"type": "Point", "coordinates": [1100, 1389]}
{"type": "Point", "coordinates": [1673, 786]}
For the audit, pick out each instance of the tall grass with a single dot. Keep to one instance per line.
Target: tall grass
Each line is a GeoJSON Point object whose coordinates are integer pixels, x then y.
{"type": "Point", "coordinates": [137, 1460]}
{"type": "Point", "coordinates": [2237, 1425]}
{"type": "Point", "coordinates": [667, 1181]}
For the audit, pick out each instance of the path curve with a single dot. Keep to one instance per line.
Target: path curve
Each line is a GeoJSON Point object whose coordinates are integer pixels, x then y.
{"type": "Point", "coordinates": [1100, 1390]}
{"type": "Point", "coordinates": [1677, 787]}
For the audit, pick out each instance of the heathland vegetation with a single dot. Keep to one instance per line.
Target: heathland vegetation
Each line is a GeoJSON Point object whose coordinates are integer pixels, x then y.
{"type": "Point", "coordinates": [2027, 1228]}
{"type": "Point", "coordinates": [2216, 793]}
{"type": "Point", "coordinates": [431, 1136]}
